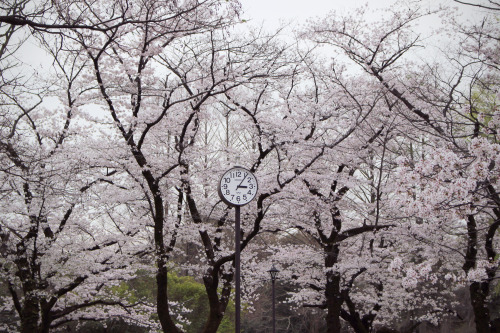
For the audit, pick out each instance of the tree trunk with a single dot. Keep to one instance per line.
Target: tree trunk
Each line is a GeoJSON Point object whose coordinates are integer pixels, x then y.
{"type": "Point", "coordinates": [30, 314]}
{"type": "Point", "coordinates": [46, 318]}
{"type": "Point", "coordinates": [162, 306]}
{"type": "Point", "coordinates": [478, 290]}
{"type": "Point", "coordinates": [30, 310]}
{"type": "Point", "coordinates": [217, 305]}
{"type": "Point", "coordinates": [478, 295]}
{"type": "Point", "coordinates": [332, 291]}
{"type": "Point", "coordinates": [333, 303]}
{"type": "Point", "coordinates": [214, 319]}
{"type": "Point", "coordinates": [356, 323]}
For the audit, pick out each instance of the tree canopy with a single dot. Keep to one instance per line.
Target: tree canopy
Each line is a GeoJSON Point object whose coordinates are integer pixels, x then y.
{"type": "Point", "coordinates": [378, 168]}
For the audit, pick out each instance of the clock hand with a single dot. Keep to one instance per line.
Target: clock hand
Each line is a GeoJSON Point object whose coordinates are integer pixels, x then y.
{"type": "Point", "coordinates": [239, 186]}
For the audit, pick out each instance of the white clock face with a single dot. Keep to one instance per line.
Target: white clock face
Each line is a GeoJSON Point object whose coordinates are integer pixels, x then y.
{"type": "Point", "coordinates": [237, 187]}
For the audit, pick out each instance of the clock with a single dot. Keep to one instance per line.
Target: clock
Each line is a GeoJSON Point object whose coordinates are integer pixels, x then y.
{"type": "Point", "coordinates": [237, 187]}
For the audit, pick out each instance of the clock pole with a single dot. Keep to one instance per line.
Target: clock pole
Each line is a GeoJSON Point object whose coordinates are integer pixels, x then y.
{"type": "Point", "coordinates": [237, 191]}
{"type": "Point", "coordinates": [237, 267]}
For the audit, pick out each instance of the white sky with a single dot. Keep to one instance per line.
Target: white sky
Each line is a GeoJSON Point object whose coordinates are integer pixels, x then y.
{"type": "Point", "coordinates": [272, 10]}
{"type": "Point", "coordinates": [297, 11]}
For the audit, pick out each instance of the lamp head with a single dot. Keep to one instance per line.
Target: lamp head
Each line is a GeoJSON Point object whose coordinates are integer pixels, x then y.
{"type": "Point", "coordinates": [273, 272]}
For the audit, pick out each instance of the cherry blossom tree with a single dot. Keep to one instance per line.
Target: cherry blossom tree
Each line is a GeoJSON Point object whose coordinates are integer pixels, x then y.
{"type": "Point", "coordinates": [159, 78]}
{"type": "Point", "coordinates": [335, 222]}
{"type": "Point", "coordinates": [331, 111]}
{"type": "Point", "coordinates": [56, 254]}
{"type": "Point", "coordinates": [450, 185]}
{"type": "Point", "coordinates": [160, 82]}
{"type": "Point", "coordinates": [279, 155]}
{"type": "Point", "coordinates": [387, 172]}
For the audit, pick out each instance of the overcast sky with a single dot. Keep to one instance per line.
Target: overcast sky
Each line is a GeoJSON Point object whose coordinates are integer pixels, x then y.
{"type": "Point", "coordinates": [297, 11]}
{"type": "Point", "coordinates": [272, 10]}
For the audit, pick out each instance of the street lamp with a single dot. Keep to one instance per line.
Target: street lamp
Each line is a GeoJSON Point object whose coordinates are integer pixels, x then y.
{"type": "Point", "coordinates": [273, 272]}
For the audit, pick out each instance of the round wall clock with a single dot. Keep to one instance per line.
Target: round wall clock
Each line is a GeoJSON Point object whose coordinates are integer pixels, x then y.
{"type": "Point", "coordinates": [237, 187]}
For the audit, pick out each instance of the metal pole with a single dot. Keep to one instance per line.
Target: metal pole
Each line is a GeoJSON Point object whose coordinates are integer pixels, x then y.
{"type": "Point", "coordinates": [237, 267]}
{"type": "Point", "coordinates": [274, 311]}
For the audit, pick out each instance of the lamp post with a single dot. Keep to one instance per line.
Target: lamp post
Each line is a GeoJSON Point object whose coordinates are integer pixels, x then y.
{"type": "Point", "coordinates": [273, 272]}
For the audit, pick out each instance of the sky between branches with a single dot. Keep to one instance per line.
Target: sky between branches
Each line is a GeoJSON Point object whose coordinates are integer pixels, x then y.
{"type": "Point", "coordinates": [295, 12]}
{"type": "Point", "coordinates": [272, 14]}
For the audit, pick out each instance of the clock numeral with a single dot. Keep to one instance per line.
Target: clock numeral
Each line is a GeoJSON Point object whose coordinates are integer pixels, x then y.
{"type": "Point", "coordinates": [227, 192]}
{"type": "Point", "coordinates": [238, 198]}
{"type": "Point", "coordinates": [232, 197]}
{"type": "Point", "coordinates": [249, 179]}
{"type": "Point", "coordinates": [227, 180]}
{"type": "Point", "coordinates": [250, 186]}
{"type": "Point", "coordinates": [224, 186]}
{"type": "Point", "coordinates": [249, 192]}
{"type": "Point", "coordinates": [244, 197]}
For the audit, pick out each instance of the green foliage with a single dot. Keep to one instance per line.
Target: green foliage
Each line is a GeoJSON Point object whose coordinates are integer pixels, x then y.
{"type": "Point", "coordinates": [112, 326]}
{"type": "Point", "coordinates": [227, 324]}
{"type": "Point", "coordinates": [182, 289]}
{"type": "Point", "coordinates": [496, 288]}
{"type": "Point", "coordinates": [484, 102]}
{"type": "Point", "coordinates": [185, 290]}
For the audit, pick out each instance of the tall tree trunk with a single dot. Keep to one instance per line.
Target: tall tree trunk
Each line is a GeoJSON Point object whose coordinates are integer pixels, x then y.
{"type": "Point", "coordinates": [46, 320]}
{"type": "Point", "coordinates": [478, 290]}
{"type": "Point", "coordinates": [332, 291]}
{"type": "Point", "coordinates": [356, 323]}
{"type": "Point", "coordinates": [216, 308]}
{"type": "Point", "coordinates": [29, 311]}
{"type": "Point", "coordinates": [218, 298]}
{"type": "Point", "coordinates": [162, 306]}
{"type": "Point", "coordinates": [30, 314]}
{"type": "Point", "coordinates": [214, 319]}
{"type": "Point", "coordinates": [478, 295]}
